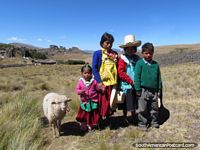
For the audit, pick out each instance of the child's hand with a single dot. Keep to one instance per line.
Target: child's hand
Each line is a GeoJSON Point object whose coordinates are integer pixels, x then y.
{"type": "Point", "coordinates": [101, 87]}
{"type": "Point", "coordinates": [82, 91]}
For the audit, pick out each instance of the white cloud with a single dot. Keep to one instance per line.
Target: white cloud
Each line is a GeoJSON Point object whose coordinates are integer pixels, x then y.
{"type": "Point", "coordinates": [44, 40]}
{"type": "Point", "coordinates": [49, 41]}
{"type": "Point", "coordinates": [16, 39]}
{"type": "Point", "coordinates": [39, 39]}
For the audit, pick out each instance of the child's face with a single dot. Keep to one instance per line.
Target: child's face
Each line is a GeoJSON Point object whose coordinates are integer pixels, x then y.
{"type": "Point", "coordinates": [107, 45]}
{"type": "Point", "coordinates": [87, 74]}
{"type": "Point", "coordinates": [147, 55]}
{"type": "Point", "coordinates": [130, 51]}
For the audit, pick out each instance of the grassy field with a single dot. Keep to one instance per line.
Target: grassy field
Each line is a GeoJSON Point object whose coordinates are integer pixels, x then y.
{"type": "Point", "coordinates": [22, 90]}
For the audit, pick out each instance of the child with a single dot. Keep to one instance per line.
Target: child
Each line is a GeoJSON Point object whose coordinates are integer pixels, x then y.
{"type": "Point", "coordinates": [105, 72]}
{"type": "Point", "coordinates": [148, 86]}
{"type": "Point", "coordinates": [87, 88]}
{"type": "Point", "coordinates": [126, 71]}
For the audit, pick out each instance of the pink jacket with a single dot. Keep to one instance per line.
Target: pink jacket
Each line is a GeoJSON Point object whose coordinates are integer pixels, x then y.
{"type": "Point", "coordinates": [91, 92]}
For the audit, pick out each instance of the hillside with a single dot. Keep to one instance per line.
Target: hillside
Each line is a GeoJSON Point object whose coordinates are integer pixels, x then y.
{"type": "Point", "coordinates": [28, 46]}
{"type": "Point", "coordinates": [178, 56]}
{"type": "Point", "coordinates": [20, 53]}
{"type": "Point", "coordinates": [169, 48]}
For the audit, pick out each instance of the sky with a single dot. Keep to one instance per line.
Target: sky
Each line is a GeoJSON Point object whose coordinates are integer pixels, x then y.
{"type": "Point", "coordinates": [81, 23]}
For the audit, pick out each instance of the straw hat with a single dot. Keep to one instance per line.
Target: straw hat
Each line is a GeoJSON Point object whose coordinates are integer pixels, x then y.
{"type": "Point", "coordinates": [129, 41]}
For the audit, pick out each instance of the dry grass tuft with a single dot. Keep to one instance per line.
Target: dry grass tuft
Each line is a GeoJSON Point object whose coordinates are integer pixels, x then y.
{"type": "Point", "coordinates": [20, 126]}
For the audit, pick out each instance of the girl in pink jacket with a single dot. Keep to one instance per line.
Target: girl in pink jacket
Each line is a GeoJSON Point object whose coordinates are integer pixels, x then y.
{"type": "Point", "coordinates": [87, 88]}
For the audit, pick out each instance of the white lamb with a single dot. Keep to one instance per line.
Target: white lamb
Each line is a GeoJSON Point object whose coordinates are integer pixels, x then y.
{"type": "Point", "coordinates": [55, 107]}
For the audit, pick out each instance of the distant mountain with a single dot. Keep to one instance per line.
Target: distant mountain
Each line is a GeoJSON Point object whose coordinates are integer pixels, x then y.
{"type": "Point", "coordinates": [24, 45]}
{"type": "Point", "coordinates": [89, 51]}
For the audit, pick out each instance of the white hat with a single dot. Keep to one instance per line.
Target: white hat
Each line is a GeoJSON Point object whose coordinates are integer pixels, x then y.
{"type": "Point", "coordinates": [129, 41]}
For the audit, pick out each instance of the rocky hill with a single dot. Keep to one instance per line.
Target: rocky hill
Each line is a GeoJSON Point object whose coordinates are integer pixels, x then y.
{"type": "Point", "coordinates": [26, 50]}
{"type": "Point", "coordinates": [177, 54]}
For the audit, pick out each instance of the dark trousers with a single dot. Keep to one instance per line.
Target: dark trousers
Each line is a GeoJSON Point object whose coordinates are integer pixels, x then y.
{"type": "Point", "coordinates": [130, 103]}
{"type": "Point", "coordinates": [148, 108]}
{"type": "Point", "coordinates": [130, 100]}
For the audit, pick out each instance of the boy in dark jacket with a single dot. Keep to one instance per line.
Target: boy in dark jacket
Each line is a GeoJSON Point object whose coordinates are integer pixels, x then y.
{"type": "Point", "coordinates": [148, 85]}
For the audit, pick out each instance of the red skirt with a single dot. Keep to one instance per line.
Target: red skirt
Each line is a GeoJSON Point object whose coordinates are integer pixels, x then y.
{"type": "Point", "coordinates": [90, 118]}
{"type": "Point", "coordinates": [104, 102]}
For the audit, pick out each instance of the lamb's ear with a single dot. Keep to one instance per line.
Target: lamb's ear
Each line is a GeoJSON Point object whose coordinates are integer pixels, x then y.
{"type": "Point", "coordinates": [69, 99]}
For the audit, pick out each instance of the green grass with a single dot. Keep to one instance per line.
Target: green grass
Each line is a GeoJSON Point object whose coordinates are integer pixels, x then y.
{"type": "Point", "coordinates": [20, 124]}
{"type": "Point", "coordinates": [22, 91]}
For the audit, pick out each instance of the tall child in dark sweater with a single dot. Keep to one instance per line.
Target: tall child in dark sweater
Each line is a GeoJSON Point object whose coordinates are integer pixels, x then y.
{"type": "Point", "coordinates": [104, 67]}
{"type": "Point", "coordinates": [148, 85]}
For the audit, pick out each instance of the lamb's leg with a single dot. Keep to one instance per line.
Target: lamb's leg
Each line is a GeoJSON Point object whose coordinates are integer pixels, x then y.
{"type": "Point", "coordinates": [58, 126]}
{"type": "Point", "coordinates": [52, 125]}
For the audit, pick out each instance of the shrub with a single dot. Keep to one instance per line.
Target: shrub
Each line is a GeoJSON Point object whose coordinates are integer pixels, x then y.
{"type": "Point", "coordinates": [75, 62]}
{"type": "Point", "coordinates": [38, 55]}
{"type": "Point", "coordinates": [71, 62]}
{"type": "Point", "coordinates": [61, 62]}
{"type": "Point", "coordinates": [5, 46]}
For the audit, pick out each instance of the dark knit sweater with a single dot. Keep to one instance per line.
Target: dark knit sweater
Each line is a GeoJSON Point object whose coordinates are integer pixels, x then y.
{"type": "Point", "coordinates": [147, 75]}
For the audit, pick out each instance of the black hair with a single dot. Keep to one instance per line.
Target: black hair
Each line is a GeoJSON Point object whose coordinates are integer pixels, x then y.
{"type": "Point", "coordinates": [147, 46]}
{"type": "Point", "coordinates": [86, 66]}
{"type": "Point", "coordinates": [106, 37]}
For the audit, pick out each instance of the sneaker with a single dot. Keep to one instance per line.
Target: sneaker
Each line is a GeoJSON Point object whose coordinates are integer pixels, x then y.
{"type": "Point", "coordinates": [126, 121]}
{"type": "Point", "coordinates": [143, 127]}
{"type": "Point", "coordinates": [90, 128]}
{"type": "Point", "coordinates": [155, 125]}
